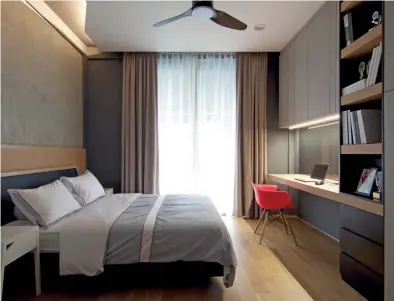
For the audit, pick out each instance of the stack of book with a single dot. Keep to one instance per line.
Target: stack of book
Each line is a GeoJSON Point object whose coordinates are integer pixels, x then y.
{"type": "Point", "coordinates": [361, 84]}
{"type": "Point", "coordinates": [374, 65]}
{"type": "Point", "coordinates": [361, 127]}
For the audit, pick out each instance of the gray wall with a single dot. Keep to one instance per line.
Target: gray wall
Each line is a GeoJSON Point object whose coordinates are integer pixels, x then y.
{"type": "Point", "coordinates": [319, 145]}
{"type": "Point", "coordinates": [315, 146]}
{"type": "Point", "coordinates": [103, 120]}
{"type": "Point", "coordinates": [41, 82]}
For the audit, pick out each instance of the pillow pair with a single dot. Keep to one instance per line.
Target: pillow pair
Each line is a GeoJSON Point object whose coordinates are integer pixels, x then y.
{"type": "Point", "coordinates": [47, 204]}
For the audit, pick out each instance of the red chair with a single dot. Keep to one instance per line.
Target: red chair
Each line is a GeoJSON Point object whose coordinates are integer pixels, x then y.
{"type": "Point", "coordinates": [268, 197]}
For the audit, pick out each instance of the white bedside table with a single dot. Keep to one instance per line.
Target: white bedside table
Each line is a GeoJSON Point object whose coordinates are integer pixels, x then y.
{"type": "Point", "coordinates": [16, 241]}
{"type": "Point", "coordinates": [109, 191]}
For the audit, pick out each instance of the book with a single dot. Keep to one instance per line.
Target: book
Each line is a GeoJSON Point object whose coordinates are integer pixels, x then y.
{"type": "Point", "coordinates": [359, 85]}
{"type": "Point", "coordinates": [372, 122]}
{"type": "Point", "coordinates": [347, 22]}
{"type": "Point", "coordinates": [344, 128]}
{"type": "Point", "coordinates": [349, 127]}
{"type": "Point", "coordinates": [371, 68]}
{"type": "Point", "coordinates": [377, 64]}
{"type": "Point", "coordinates": [356, 128]}
{"type": "Point", "coordinates": [361, 127]}
{"type": "Point", "coordinates": [352, 126]}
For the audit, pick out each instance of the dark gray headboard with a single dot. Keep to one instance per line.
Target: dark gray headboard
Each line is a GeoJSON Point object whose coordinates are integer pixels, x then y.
{"type": "Point", "coordinates": [27, 180]}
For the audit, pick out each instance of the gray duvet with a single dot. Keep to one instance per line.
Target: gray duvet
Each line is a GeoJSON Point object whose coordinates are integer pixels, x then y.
{"type": "Point", "coordinates": [175, 228]}
{"type": "Point", "coordinates": [131, 228]}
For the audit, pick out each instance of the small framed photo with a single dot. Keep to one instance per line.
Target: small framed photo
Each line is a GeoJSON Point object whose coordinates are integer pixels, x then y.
{"type": "Point", "coordinates": [367, 181]}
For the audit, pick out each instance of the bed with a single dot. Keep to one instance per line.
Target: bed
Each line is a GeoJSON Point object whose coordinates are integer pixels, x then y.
{"type": "Point", "coordinates": [156, 236]}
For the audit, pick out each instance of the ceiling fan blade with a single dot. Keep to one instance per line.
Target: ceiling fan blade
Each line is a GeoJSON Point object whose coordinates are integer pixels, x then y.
{"type": "Point", "coordinates": [228, 21]}
{"type": "Point", "coordinates": [169, 20]}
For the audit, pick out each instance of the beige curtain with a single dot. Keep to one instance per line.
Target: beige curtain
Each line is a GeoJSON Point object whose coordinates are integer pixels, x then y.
{"type": "Point", "coordinates": [251, 130]}
{"type": "Point", "coordinates": [139, 123]}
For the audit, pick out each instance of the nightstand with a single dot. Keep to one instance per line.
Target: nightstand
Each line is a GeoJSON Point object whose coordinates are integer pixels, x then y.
{"type": "Point", "coordinates": [109, 191]}
{"type": "Point", "coordinates": [16, 241]}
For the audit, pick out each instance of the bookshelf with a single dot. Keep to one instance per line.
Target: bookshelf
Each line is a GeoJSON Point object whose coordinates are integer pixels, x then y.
{"type": "Point", "coordinates": [366, 123]}
{"type": "Point", "coordinates": [363, 45]}
{"type": "Point", "coordinates": [370, 93]}
{"type": "Point", "coordinates": [349, 5]}
{"type": "Point", "coordinates": [362, 149]}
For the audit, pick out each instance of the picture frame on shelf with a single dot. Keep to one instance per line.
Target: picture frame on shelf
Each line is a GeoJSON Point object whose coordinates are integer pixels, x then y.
{"type": "Point", "coordinates": [366, 182]}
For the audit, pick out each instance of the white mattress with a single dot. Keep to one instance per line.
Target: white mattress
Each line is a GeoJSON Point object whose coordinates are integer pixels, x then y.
{"type": "Point", "coordinates": [49, 241]}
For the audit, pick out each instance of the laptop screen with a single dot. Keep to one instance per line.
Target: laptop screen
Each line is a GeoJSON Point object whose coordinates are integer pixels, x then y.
{"type": "Point", "coordinates": [319, 171]}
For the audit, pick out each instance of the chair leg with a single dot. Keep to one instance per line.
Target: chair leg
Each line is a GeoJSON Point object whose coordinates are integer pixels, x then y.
{"type": "Point", "coordinates": [291, 230]}
{"type": "Point", "coordinates": [258, 224]}
{"type": "Point", "coordinates": [264, 225]}
{"type": "Point", "coordinates": [284, 222]}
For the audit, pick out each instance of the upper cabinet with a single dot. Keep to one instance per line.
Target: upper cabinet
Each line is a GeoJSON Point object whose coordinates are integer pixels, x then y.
{"type": "Point", "coordinates": [301, 78]}
{"type": "Point", "coordinates": [318, 65]}
{"type": "Point", "coordinates": [284, 89]}
{"type": "Point", "coordinates": [333, 12]}
{"type": "Point", "coordinates": [311, 81]}
{"type": "Point", "coordinates": [389, 46]}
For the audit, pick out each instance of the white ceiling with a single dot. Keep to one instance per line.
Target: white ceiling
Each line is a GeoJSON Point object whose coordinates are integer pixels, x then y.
{"type": "Point", "coordinates": [127, 25]}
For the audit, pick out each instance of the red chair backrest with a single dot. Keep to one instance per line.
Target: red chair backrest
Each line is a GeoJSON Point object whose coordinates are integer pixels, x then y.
{"type": "Point", "coordinates": [269, 197]}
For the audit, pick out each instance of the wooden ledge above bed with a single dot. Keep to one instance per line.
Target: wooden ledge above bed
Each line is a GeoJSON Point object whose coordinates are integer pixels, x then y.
{"type": "Point", "coordinates": [327, 191]}
{"type": "Point", "coordinates": [21, 157]}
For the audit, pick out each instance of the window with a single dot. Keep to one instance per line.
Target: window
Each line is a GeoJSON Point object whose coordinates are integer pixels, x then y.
{"type": "Point", "coordinates": [197, 100]}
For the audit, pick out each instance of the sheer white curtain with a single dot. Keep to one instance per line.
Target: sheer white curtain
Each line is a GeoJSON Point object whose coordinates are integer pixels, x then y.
{"type": "Point", "coordinates": [197, 100]}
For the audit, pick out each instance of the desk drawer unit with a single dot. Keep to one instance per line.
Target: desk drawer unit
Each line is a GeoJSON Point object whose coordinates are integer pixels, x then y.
{"type": "Point", "coordinates": [366, 252]}
{"type": "Point", "coordinates": [365, 281]}
{"type": "Point", "coordinates": [362, 251]}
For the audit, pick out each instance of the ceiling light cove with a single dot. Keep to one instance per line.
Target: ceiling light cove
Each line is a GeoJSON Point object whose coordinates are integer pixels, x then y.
{"type": "Point", "coordinates": [319, 121]}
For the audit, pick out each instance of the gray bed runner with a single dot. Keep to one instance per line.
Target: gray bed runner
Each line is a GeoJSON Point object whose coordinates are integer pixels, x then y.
{"type": "Point", "coordinates": [171, 228]}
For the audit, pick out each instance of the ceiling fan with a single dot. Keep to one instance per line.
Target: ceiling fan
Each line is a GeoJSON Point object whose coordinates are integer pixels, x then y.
{"type": "Point", "coordinates": [204, 10]}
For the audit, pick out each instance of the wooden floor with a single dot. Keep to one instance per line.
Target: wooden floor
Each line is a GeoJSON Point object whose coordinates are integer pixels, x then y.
{"type": "Point", "coordinates": [277, 270]}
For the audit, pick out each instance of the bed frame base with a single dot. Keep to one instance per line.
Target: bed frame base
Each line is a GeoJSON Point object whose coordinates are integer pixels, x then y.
{"type": "Point", "coordinates": [115, 277]}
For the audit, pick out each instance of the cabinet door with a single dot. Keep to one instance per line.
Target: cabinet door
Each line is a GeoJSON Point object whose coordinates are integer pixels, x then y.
{"type": "Point", "coordinates": [388, 46]}
{"type": "Point", "coordinates": [318, 65]}
{"type": "Point", "coordinates": [301, 77]}
{"type": "Point", "coordinates": [283, 89]}
{"type": "Point", "coordinates": [291, 83]}
{"type": "Point", "coordinates": [333, 27]}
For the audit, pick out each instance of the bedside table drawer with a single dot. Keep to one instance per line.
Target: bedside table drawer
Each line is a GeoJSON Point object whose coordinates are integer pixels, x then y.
{"type": "Point", "coordinates": [24, 244]}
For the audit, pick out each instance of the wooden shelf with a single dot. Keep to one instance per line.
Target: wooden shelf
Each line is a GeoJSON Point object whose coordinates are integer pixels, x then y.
{"type": "Point", "coordinates": [361, 149]}
{"type": "Point", "coordinates": [370, 93]}
{"type": "Point", "coordinates": [364, 44]}
{"type": "Point", "coordinates": [349, 5]}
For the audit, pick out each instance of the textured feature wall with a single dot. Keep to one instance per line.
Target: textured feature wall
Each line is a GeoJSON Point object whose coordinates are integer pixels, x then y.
{"type": "Point", "coordinates": [41, 82]}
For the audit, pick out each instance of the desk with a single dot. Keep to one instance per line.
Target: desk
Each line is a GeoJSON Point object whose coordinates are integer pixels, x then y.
{"type": "Point", "coordinates": [327, 191]}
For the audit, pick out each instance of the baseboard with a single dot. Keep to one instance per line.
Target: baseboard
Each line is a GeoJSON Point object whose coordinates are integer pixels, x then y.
{"type": "Point", "coordinates": [309, 224]}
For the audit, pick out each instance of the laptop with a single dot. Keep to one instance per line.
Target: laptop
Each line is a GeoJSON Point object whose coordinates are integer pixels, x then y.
{"type": "Point", "coordinates": [318, 173]}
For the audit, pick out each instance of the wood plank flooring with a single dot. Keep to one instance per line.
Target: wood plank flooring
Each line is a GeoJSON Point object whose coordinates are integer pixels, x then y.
{"type": "Point", "coordinates": [277, 270]}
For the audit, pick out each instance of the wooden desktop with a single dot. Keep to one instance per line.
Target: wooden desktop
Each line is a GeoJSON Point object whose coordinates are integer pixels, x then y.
{"type": "Point", "coordinates": [328, 190]}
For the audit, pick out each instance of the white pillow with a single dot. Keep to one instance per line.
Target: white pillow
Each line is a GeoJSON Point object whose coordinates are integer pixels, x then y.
{"type": "Point", "coordinates": [46, 204]}
{"type": "Point", "coordinates": [85, 188]}
{"type": "Point", "coordinates": [19, 215]}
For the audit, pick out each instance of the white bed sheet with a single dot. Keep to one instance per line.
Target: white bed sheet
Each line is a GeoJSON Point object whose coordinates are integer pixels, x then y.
{"type": "Point", "coordinates": [49, 241]}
